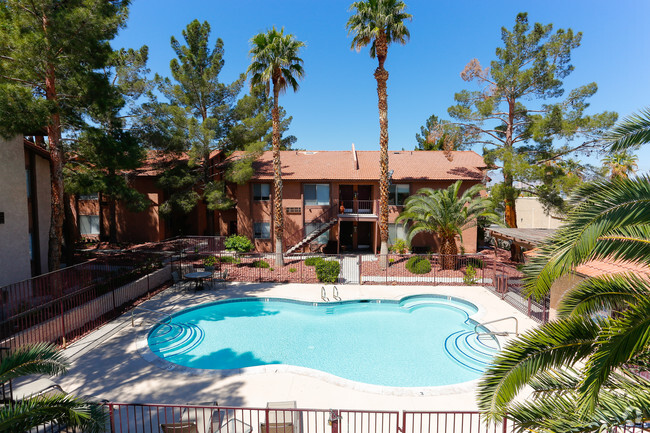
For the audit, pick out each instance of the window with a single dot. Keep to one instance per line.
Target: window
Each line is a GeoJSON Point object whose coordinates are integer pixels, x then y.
{"type": "Point", "coordinates": [92, 196]}
{"type": "Point", "coordinates": [397, 194]}
{"type": "Point", "coordinates": [262, 230]}
{"type": "Point", "coordinates": [321, 239]}
{"type": "Point", "coordinates": [396, 231]}
{"type": "Point", "coordinates": [89, 224]}
{"type": "Point", "coordinates": [261, 191]}
{"type": "Point", "coordinates": [317, 194]}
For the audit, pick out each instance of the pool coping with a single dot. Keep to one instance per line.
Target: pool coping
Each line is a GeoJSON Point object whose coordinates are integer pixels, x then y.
{"type": "Point", "coordinates": [145, 352]}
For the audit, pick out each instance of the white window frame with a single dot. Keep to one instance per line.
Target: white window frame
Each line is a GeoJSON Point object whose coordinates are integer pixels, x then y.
{"type": "Point", "coordinates": [396, 231]}
{"type": "Point", "coordinates": [259, 230]}
{"type": "Point", "coordinates": [259, 194]}
{"type": "Point", "coordinates": [316, 202]}
{"type": "Point", "coordinates": [89, 225]}
{"type": "Point", "coordinates": [395, 187]}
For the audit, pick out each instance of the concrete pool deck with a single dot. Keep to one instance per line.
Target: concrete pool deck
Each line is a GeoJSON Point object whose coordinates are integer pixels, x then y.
{"type": "Point", "coordinates": [108, 365]}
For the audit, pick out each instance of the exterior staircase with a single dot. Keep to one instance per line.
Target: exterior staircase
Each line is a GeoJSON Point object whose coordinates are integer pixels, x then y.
{"type": "Point", "coordinates": [322, 228]}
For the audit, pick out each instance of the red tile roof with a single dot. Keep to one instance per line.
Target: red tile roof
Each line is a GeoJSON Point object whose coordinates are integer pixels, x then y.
{"type": "Point", "coordinates": [340, 165]}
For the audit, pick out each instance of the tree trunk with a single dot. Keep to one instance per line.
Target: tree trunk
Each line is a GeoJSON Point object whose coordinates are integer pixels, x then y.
{"type": "Point", "coordinates": [69, 233]}
{"type": "Point", "coordinates": [277, 180]}
{"type": "Point", "coordinates": [112, 228]}
{"type": "Point", "coordinates": [209, 214]}
{"type": "Point", "coordinates": [448, 252]}
{"type": "Point", "coordinates": [56, 174]}
{"type": "Point", "coordinates": [510, 195]}
{"type": "Point", "coordinates": [381, 75]}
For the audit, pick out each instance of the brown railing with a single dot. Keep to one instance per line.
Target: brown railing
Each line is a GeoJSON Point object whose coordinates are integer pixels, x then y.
{"type": "Point", "coordinates": [460, 270]}
{"type": "Point", "coordinates": [62, 305]}
{"type": "Point", "coordinates": [322, 218]}
{"type": "Point", "coordinates": [147, 418]}
{"type": "Point", "coordinates": [359, 206]}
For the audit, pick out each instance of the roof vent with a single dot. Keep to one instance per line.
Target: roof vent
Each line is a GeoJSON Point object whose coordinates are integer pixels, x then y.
{"type": "Point", "coordinates": [310, 153]}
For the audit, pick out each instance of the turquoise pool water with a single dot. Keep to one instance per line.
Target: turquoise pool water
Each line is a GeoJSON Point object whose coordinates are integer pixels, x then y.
{"type": "Point", "coordinates": [419, 341]}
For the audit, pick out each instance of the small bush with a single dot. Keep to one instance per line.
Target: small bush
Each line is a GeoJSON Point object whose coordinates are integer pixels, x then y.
{"type": "Point", "coordinates": [313, 261]}
{"type": "Point", "coordinates": [229, 259]}
{"type": "Point", "coordinates": [399, 247]}
{"type": "Point", "coordinates": [418, 265]}
{"type": "Point", "coordinates": [391, 260]}
{"type": "Point", "coordinates": [292, 270]}
{"type": "Point", "coordinates": [261, 264]}
{"type": "Point", "coordinates": [470, 276]}
{"type": "Point", "coordinates": [475, 262]}
{"type": "Point", "coordinates": [238, 243]}
{"type": "Point", "coordinates": [327, 271]}
{"type": "Point", "coordinates": [210, 261]}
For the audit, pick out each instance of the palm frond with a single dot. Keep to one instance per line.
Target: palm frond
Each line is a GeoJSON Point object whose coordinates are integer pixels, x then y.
{"type": "Point", "coordinates": [610, 220]}
{"type": "Point", "coordinates": [553, 345]}
{"type": "Point", "coordinates": [58, 409]}
{"type": "Point", "coordinates": [605, 293]}
{"type": "Point", "coordinates": [618, 343]}
{"type": "Point", "coordinates": [631, 132]}
{"type": "Point", "coordinates": [40, 358]}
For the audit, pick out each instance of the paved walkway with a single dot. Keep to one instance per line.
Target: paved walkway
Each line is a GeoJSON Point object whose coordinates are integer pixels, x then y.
{"type": "Point", "coordinates": [108, 365]}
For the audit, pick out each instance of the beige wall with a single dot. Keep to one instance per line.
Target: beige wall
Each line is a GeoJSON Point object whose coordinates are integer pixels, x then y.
{"type": "Point", "coordinates": [14, 233]}
{"type": "Point", "coordinates": [559, 288]}
{"type": "Point", "coordinates": [531, 215]}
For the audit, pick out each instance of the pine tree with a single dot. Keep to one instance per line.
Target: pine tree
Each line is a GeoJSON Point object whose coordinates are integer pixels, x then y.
{"type": "Point", "coordinates": [50, 56]}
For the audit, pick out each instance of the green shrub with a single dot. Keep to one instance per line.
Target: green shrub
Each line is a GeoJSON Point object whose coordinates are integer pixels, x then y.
{"type": "Point", "coordinates": [261, 264]}
{"type": "Point", "coordinates": [327, 271]}
{"type": "Point", "coordinates": [418, 265]}
{"type": "Point", "coordinates": [210, 261]}
{"type": "Point", "coordinates": [238, 243]}
{"type": "Point", "coordinates": [475, 262]}
{"type": "Point", "coordinates": [313, 261]}
{"type": "Point", "coordinates": [229, 259]}
{"type": "Point", "coordinates": [470, 276]}
{"type": "Point", "coordinates": [399, 247]}
{"type": "Point", "coordinates": [292, 270]}
{"type": "Point", "coordinates": [391, 260]}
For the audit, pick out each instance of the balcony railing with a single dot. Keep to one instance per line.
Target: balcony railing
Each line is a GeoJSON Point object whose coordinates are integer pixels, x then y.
{"type": "Point", "coordinates": [359, 207]}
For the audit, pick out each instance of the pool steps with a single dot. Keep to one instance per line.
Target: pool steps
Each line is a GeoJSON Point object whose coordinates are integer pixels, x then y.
{"type": "Point", "coordinates": [471, 350]}
{"type": "Point", "coordinates": [175, 338]}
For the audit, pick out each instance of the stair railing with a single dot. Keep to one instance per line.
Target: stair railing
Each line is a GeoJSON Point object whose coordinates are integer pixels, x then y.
{"type": "Point", "coordinates": [499, 333]}
{"type": "Point", "coordinates": [324, 218]}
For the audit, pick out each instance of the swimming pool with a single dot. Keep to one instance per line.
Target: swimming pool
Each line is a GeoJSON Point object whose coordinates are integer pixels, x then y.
{"type": "Point", "coordinates": [420, 341]}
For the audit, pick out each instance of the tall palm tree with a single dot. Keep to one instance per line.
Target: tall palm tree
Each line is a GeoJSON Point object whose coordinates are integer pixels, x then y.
{"type": "Point", "coordinates": [446, 213]}
{"type": "Point", "coordinates": [27, 414]}
{"type": "Point", "coordinates": [275, 61]}
{"type": "Point", "coordinates": [582, 367]}
{"type": "Point", "coordinates": [620, 164]}
{"type": "Point", "coordinates": [379, 23]}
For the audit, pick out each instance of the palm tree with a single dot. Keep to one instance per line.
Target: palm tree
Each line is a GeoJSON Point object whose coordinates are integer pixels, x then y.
{"type": "Point", "coordinates": [582, 367]}
{"type": "Point", "coordinates": [62, 409]}
{"type": "Point", "coordinates": [620, 164]}
{"type": "Point", "coordinates": [445, 213]}
{"type": "Point", "coordinates": [274, 60]}
{"type": "Point", "coordinates": [379, 23]}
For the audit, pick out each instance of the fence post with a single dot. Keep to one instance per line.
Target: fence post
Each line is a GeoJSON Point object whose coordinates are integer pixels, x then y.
{"type": "Point", "coordinates": [62, 320]}
{"type": "Point", "coordinates": [334, 420]}
{"type": "Point", "coordinates": [504, 428]}
{"type": "Point", "coordinates": [360, 271]}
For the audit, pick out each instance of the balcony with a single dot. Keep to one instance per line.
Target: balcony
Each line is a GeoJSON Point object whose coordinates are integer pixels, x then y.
{"type": "Point", "coordinates": [356, 208]}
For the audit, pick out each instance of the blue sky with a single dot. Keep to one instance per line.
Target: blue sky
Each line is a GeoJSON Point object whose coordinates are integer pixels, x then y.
{"type": "Point", "coordinates": [337, 102]}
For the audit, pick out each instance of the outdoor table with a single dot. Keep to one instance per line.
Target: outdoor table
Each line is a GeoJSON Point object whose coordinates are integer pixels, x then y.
{"type": "Point", "coordinates": [198, 278]}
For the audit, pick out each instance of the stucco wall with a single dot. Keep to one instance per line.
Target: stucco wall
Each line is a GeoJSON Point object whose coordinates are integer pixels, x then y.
{"type": "Point", "coordinates": [14, 233]}
{"type": "Point", "coordinates": [559, 288]}
{"type": "Point", "coordinates": [531, 215]}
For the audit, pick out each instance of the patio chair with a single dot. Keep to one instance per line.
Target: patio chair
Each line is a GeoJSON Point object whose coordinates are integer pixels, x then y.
{"type": "Point", "coordinates": [282, 421]}
{"type": "Point", "coordinates": [222, 279]}
{"type": "Point", "coordinates": [43, 386]}
{"type": "Point", "coordinates": [179, 427]}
